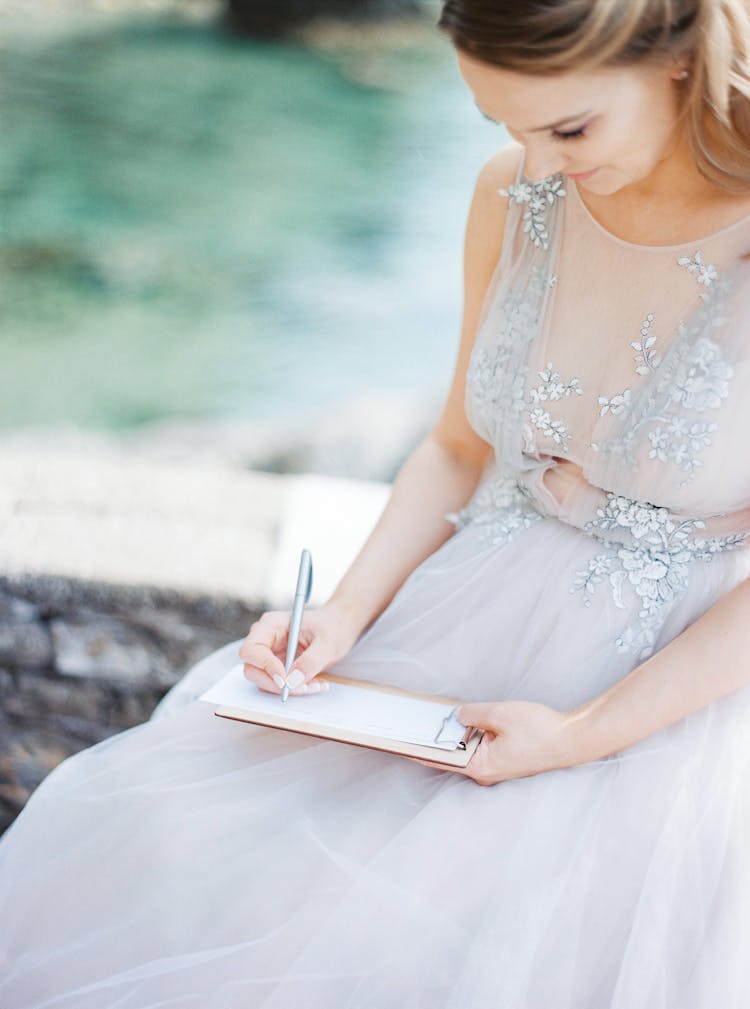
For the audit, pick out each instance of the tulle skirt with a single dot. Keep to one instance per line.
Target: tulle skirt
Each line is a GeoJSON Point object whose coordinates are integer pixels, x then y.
{"type": "Point", "coordinates": [196, 862]}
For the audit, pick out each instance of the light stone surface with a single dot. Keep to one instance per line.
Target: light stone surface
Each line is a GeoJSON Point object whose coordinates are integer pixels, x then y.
{"type": "Point", "coordinates": [116, 517]}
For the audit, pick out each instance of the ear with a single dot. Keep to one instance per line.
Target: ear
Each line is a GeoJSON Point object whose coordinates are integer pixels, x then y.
{"type": "Point", "coordinates": [682, 66]}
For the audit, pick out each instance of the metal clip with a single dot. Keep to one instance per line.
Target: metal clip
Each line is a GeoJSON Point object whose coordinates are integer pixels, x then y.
{"type": "Point", "coordinates": [452, 727]}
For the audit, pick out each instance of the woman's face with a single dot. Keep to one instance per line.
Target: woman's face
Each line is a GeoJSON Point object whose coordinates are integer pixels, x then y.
{"type": "Point", "coordinates": [619, 123]}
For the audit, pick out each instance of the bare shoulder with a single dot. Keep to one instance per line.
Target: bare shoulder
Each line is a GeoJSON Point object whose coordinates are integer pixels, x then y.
{"type": "Point", "coordinates": [482, 249]}
{"type": "Point", "coordinates": [486, 220]}
{"type": "Point", "coordinates": [500, 169]}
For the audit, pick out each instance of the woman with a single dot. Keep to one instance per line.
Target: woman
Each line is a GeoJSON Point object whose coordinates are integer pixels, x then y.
{"type": "Point", "coordinates": [567, 550]}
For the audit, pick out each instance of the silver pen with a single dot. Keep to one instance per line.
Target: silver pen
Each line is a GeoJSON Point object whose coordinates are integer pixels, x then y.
{"type": "Point", "coordinates": [301, 595]}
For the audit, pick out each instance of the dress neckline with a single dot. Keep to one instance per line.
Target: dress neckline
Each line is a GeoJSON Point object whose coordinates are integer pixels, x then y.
{"type": "Point", "coordinates": [652, 248]}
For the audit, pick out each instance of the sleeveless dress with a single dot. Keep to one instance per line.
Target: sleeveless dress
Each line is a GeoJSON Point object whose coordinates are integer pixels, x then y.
{"type": "Point", "coordinates": [195, 863]}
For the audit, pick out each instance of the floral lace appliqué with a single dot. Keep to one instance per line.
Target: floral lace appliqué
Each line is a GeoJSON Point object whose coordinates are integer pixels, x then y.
{"type": "Point", "coordinates": [618, 405]}
{"type": "Point", "coordinates": [695, 378]}
{"type": "Point", "coordinates": [500, 507]}
{"type": "Point", "coordinates": [537, 197]}
{"type": "Point", "coordinates": [496, 380]}
{"type": "Point", "coordinates": [701, 384]}
{"type": "Point", "coordinates": [654, 562]}
{"type": "Point", "coordinates": [646, 358]}
{"type": "Point", "coordinates": [705, 273]}
{"type": "Point", "coordinates": [551, 388]}
{"type": "Point", "coordinates": [488, 379]}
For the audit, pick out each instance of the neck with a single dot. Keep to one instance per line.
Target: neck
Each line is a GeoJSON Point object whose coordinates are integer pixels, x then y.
{"type": "Point", "coordinates": [675, 179]}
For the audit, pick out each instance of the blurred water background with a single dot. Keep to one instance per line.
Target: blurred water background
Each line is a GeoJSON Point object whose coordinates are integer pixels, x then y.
{"type": "Point", "coordinates": [197, 226]}
{"type": "Point", "coordinates": [219, 257]}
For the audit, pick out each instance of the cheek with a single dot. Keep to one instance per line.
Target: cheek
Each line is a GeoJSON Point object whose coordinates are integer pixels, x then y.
{"type": "Point", "coordinates": [639, 130]}
{"type": "Point", "coordinates": [625, 148]}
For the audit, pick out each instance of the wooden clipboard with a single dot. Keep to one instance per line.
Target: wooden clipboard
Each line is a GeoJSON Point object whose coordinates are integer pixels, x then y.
{"type": "Point", "coordinates": [459, 757]}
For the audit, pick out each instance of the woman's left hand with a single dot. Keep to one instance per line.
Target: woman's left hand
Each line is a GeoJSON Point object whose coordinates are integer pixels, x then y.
{"type": "Point", "coordinates": [520, 738]}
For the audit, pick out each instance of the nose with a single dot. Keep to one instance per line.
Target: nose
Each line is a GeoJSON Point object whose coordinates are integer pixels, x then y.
{"type": "Point", "coordinates": [539, 164]}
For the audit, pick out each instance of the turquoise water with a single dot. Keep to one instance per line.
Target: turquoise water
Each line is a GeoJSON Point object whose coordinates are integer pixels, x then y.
{"type": "Point", "coordinates": [195, 226]}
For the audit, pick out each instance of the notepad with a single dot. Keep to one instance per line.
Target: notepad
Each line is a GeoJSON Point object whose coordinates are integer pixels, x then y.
{"type": "Point", "coordinates": [376, 715]}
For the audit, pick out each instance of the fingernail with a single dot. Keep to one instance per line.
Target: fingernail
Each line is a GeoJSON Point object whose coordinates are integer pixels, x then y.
{"type": "Point", "coordinates": [278, 680]}
{"type": "Point", "coordinates": [317, 686]}
{"type": "Point", "coordinates": [295, 678]}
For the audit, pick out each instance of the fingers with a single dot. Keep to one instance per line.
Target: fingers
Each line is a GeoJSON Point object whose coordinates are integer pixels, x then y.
{"type": "Point", "coordinates": [258, 650]}
{"type": "Point", "coordinates": [265, 669]}
{"type": "Point", "coordinates": [260, 678]}
{"type": "Point", "coordinates": [274, 685]}
{"type": "Point", "coordinates": [306, 667]}
{"type": "Point", "coordinates": [481, 714]}
{"type": "Point", "coordinates": [270, 630]}
{"type": "Point", "coordinates": [481, 777]}
{"type": "Point", "coordinates": [473, 771]}
{"type": "Point", "coordinates": [261, 653]}
{"type": "Point", "coordinates": [316, 687]}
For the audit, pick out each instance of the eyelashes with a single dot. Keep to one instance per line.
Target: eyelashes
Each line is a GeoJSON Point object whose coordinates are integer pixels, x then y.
{"type": "Point", "coordinates": [572, 135]}
{"type": "Point", "coordinates": [556, 134]}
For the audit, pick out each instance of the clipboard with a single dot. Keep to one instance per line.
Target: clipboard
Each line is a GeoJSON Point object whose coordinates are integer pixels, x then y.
{"type": "Point", "coordinates": [453, 744]}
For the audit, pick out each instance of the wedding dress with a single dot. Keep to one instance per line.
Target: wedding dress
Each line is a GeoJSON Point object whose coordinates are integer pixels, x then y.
{"type": "Point", "coordinates": [196, 863]}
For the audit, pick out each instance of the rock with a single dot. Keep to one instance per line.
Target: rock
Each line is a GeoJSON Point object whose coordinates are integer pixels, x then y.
{"type": "Point", "coordinates": [132, 709]}
{"type": "Point", "coordinates": [109, 650]}
{"type": "Point", "coordinates": [16, 611]}
{"type": "Point", "coordinates": [25, 644]}
{"type": "Point", "coordinates": [25, 759]}
{"type": "Point", "coordinates": [85, 731]}
{"type": "Point", "coordinates": [34, 698]}
{"type": "Point", "coordinates": [24, 638]}
{"type": "Point", "coordinates": [80, 661]}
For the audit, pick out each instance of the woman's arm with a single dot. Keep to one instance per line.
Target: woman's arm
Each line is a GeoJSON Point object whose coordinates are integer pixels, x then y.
{"type": "Point", "coordinates": [438, 477]}
{"type": "Point", "coordinates": [430, 483]}
{"type": "Point", "coordinates": [443, 471]}
{"type": "Point", "coordinates": [709, 659]}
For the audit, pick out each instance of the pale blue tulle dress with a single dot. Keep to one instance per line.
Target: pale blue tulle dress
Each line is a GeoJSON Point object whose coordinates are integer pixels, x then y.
{"type": "Point", "coordinates": [195, 863]}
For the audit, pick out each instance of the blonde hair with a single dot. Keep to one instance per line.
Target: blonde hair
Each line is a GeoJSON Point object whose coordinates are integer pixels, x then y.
{"type": "Point", "coordinates": [555, 36]}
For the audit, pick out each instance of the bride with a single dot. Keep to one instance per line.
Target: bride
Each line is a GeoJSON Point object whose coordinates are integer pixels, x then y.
{"type": "Point", "coordinates": [567, 550]}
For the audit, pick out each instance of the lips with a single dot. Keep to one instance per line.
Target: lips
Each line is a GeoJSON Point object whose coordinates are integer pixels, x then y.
{"type": "Point", "coordinates": [582, 175]}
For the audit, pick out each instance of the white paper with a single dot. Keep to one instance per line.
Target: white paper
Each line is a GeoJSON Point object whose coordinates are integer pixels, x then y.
{"type": "Point", "coordinates": [392, 716]}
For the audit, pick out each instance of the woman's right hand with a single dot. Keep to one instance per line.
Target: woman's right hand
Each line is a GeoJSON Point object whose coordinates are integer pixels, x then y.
{"type": "Point", "coordinates": [326, 634]}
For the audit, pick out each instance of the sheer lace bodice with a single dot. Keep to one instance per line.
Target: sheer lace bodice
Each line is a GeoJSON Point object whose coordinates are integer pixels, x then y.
{"type": "Point", "coordinates": [613, 381]}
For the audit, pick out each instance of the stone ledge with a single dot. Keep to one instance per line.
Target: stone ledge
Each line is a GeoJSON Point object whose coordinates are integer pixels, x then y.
{"type": "Point", "coordinates": [114, 517]}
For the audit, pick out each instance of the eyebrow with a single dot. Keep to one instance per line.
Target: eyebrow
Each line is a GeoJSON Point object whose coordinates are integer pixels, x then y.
{"type": "Point", "coordinates": [549, 126]}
